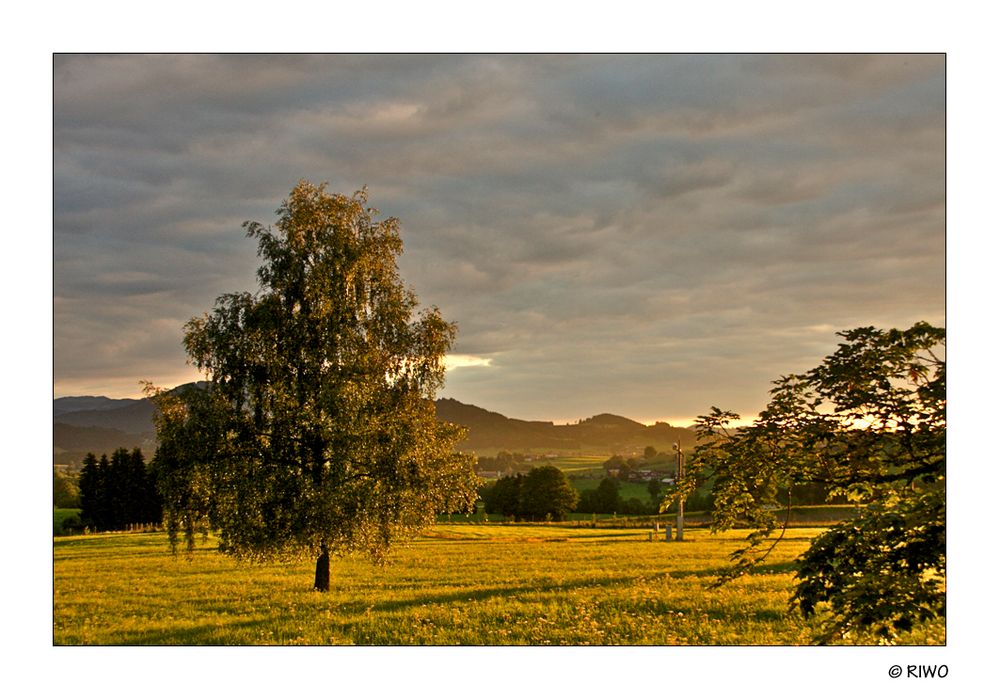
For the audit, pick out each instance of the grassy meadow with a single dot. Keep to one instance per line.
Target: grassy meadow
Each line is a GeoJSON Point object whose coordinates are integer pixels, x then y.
{"type": "Point", "coordinates": [459, 584]}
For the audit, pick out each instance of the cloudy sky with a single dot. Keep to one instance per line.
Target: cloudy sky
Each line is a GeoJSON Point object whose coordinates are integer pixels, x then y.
{"type": "Point", "coordinates": [647, 235]}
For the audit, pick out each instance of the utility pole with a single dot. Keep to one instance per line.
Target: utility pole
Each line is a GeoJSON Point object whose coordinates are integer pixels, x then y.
{"type": "Point", "coordinates": [680, 496]}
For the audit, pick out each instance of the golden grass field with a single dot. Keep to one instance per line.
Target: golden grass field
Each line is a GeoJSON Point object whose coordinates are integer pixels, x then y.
{"type": "Point", "coordinates": [459, 584]}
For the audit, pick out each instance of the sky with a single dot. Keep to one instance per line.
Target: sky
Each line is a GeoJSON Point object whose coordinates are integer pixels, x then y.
{"type": "Point", "coordinates": [646, 234]}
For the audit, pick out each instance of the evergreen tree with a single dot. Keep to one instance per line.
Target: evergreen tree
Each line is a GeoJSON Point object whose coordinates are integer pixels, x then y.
{"type": "Point", "coordinates": [146, 507]}
{"type": "Point", "coordinates": [119, 490]}
{"type": "Point", "coordinates": [103, 517]}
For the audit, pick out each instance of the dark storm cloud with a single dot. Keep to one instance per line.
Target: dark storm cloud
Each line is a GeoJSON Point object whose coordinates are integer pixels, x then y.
{"type": "Point", "coordinates": [647, 235]}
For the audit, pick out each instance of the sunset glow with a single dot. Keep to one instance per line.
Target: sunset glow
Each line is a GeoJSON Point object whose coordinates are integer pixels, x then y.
{"type": "Point", "coordinates": [646, 235]}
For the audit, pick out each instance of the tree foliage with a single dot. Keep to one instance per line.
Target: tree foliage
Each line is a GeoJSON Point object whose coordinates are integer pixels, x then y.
{"type": "Point", "coordinates": [317, 430]}
{"type": "Point", "coordinates": [603, 499]}
{"type": "Point", "coordinates": [868, 425]}
{"type": "Point", "coordinates": [504, 496]}
{"type": "Point", "coordinates": [615, 462]}
{"type": "Point", "coordinates": [190, 432]}
{"type": "Point", "coordinates": [65, 490]}
{"type": "Point", "coordinates": [547, 494]}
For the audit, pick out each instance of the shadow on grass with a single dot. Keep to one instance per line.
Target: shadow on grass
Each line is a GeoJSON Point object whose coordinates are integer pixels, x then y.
{"type": "Point", "coordinates": [127, 555]}
{"type": "Point", "coordinates": [516, 538]}
{"type": "Point", "coordinates": [710, 574]}
{"type": "Point", "coordinates": [203, 634]}
{"type": "Point", "coordinates": [483, 594]}
{"type": "Point", "coordinates": [713, 573]}
{"type": "Point", "coordinates": [788, 567]}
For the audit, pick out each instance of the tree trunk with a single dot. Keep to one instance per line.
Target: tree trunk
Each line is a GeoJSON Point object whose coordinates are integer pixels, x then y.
{"type": "Point", "coordinates": [322, 570]}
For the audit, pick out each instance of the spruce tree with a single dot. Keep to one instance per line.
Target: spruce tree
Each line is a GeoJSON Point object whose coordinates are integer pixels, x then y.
{"type": "Point", "coordinates": [119, 490]}
{"type": "Point", "coordinates": [89, 497]}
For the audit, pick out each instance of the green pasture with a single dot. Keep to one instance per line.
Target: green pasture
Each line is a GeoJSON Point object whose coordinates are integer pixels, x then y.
{"type": "Point", "coordinates": [460, 584]}
{"type": "Point", "coordinates": [580, 465]}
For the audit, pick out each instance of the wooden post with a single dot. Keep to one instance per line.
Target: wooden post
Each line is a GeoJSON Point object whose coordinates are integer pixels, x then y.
{"type": "Point", "coordinates": [680, 497]}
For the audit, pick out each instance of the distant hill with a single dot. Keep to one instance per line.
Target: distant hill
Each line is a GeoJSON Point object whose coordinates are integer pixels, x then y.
{"type": "Point", "coordinates": [71, 443]}
{"type": "Point", "coordinates": [72, 404]}
{"type": "Point", "coordinates": [489, 429]}
{"type": "Point", "coordinates": [98, 424]}
{"type": "Point", "coordinates": [605, 432]}
{"type": "Point", "coordinates": [135, 417]}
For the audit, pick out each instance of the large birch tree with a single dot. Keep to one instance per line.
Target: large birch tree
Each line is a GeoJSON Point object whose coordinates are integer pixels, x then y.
{"type": "Point", "coordinates": [317, 432]}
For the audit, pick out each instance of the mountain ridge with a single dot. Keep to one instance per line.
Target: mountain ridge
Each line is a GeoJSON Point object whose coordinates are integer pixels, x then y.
{"type": "Point", "coordinates": [488, 431]}
{"type": "Point", "coordinates": [73, 404]}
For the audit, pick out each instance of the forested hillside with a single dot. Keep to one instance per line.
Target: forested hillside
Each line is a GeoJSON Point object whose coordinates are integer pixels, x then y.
{"type": "Point", "coordinates": [98, 424]}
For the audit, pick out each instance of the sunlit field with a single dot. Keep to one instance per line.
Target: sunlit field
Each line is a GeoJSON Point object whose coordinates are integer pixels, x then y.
{"type": "Point", "coordinates": [461, 584]}
{"type": "Point", "coordinates": [580, 465]}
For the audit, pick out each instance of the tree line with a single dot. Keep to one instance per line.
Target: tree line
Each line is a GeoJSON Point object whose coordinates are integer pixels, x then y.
{"type": "Point", "coordinates": [544, 493]}
{"type": "Point", "coordinates": [118, 492]}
